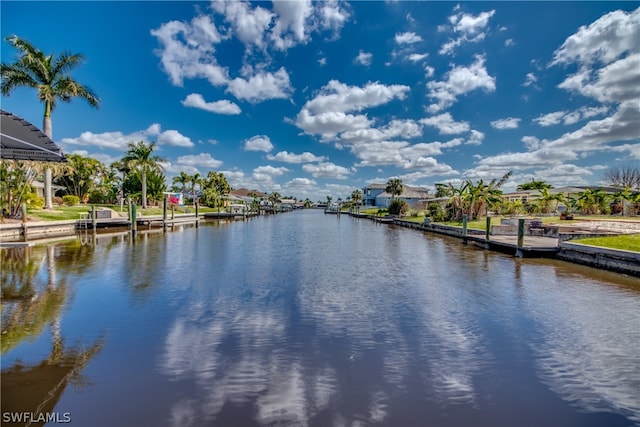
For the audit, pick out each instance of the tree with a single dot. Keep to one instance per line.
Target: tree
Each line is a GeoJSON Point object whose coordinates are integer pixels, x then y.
{"type": "Point", "coordinates": [140, 157]}
{"type": "Point", "coordinates": [625, 176]}
{"type": "Point", "coordinates": [213, 188]}
{"type": "Point", "coordinates": [82, 176]}
{"type": "Point", "coordinates": [49, 75]}
{"type": "Point", "coordinates": [546, 199]}
{"type": "Point", "coordinates": [534, 185]}
{"type": "Point", "coordinates": [274, 198]}
{"type": "Point", "coordinates": [394, 187]}
{"type": "Point", "coordinates": [183, 179]}
{"type": "Point", "coordinates": [356, 198]}
{"type": "Point", "coordinates": [16, 178]}
{"type": "Point", "coordinates": [195, 179]}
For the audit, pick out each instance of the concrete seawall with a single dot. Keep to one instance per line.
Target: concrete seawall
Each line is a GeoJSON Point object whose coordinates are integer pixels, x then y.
{"type": "Point", "coordinates": [626, 262]}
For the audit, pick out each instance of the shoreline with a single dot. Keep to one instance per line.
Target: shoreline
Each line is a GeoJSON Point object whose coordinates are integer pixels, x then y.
{"type": "Point", "coordinates": [12, 235]}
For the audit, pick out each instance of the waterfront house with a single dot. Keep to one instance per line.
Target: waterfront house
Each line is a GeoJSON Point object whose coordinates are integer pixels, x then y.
{"type": "Point", "coordinates": [375, 195]}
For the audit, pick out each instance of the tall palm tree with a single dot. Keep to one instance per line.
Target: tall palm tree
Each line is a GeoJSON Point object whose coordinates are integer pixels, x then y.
{"type": "Point", "coordinates": [356, 197]}
{"type": "Point", "coordinates": [183, 179]}
{"type": "Point", "coordinates": [195, 179]}
{"type": "Point", "coordinates": [394, 187]}
{"type": "Point", "coordinates": [49, 75]}
{"type": "Point", "coordinates": [273, 198]}
{"type": "Point", "coordinates": [140, 156]}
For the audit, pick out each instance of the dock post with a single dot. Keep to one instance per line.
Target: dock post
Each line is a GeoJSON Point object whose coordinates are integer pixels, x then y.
{"type": "Point", "coordinates": [164, 214]}
{"type": "Point", "coordinates": [520, 238]}
{"type": "Point", "coordinates": [197, 214]}
{"type": "Point", "coordinates": [487, 233]}
{"type": "Point", "coordinates": [173, 208]}
{"type": "Point", "coordinates": [24, 221]}
{"type": "Point", "coordinates": [134, 220]}
{"type": "Point", "coordinates": [129, 212]}
{"type": "Point", "coordinates": [93, 218]}
{"type": "Point", "coordinates": [464, 228]}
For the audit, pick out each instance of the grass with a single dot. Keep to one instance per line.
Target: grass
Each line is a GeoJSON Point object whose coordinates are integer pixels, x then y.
{"type": "Point", "coordinates": [626, 242]}
{"type": "Point", "coordinates": [60, 213]}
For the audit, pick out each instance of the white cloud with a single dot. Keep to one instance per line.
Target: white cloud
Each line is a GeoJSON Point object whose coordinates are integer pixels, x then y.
{"type": "Point", "coordinates": [459, 81]}
{"type": "Point", "coordinates": [300, 185]}
{"type": "Point", "coordinates": [507, 123]}
{"type": "Point", "coordinates": [394, 129]}
{"type": "Point", "coordinates": [118, 140]}
{"type": "Point", "coordinates": [364, 58]}
{"type": "Point", "coordinates": [403, 155]}
{"type": "Point", "coordinates": [604, 40]}
{"type": "Point", "coordinates": [338, 97]}
{"type": "Point", "coordinates": [471, 29]}
{"type": "Point", "coordinates": [196, 100]}
{"type": "Point", "coordinates": [258, 143]}
{"type": "Point", "coordinates": [286, 157]}
{"type": "Point", "coordinates": [445, 124]}
{"type": "Point", "coordinates": [326, 170]}
{"type": "Point", "coordinates": [530, 79]}
{"type": "Point", "coordinates": [509, 42]}
{"type": "Point", "coordinates": [248, 24]}
{"type": "Point", "coordinates": [175, 138]}
{"type": "Point", "coordinates": [291, 27]}
{"type": "Point", "coordinates": [531, 142]}
{"type": "Point", "coordinates": [550, 119]}
{"type": "Point", "coordinates": [407, 38]}
{"type": "Point", "coordinates": [476, 138]}
{"type": "Point", "coordinates": [417, 57]}
{"type": "Point", "coordinates": [326, 114]}
{"type": "Point", "coordinates": [202, 159]}
{"type": "Point", "coordinates": [429, 71]}
{"type": "Point", "coordinates": [570, 118]}
{"type": "Point", "coordinates": [262, 86]}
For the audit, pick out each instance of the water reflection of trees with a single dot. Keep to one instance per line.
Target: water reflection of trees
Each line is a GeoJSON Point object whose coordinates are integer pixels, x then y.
{"type": "Point", "coordinates": [34, 293]}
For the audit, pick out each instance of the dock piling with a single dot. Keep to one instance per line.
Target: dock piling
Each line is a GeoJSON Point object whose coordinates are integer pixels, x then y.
{"type": "Point", "coordinates": [164, 214]}
{"type": "Point", "coordinates": [520, 244]}
{"type": "Point", "coordinates": [464, 228]}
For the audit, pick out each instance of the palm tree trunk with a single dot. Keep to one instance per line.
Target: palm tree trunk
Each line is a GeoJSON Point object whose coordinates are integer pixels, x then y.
{"type": "Point", "coordinates": [47, 130]}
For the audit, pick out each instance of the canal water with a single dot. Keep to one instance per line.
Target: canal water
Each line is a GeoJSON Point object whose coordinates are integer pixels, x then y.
{"type": "Point", "coordinates": [307, 319]}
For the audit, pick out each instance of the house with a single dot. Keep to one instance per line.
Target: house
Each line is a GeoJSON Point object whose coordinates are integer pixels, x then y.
{"type": "Point", "coordinates": [249, 195]}
{"type": "Point", "coordinates": [375, 195]}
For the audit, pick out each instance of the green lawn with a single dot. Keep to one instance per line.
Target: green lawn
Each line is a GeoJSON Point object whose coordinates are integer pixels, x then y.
{"type": "Point", "coordinates": [626, 242]}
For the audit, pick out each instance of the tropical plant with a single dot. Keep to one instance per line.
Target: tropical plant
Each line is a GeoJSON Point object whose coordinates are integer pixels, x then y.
{"type": "Point", "coordinates": [398, 207]}
{"type": "Point", "coordinates": [394, 187]}
{"type": "Point", "coordinates": [213, 188]}
{"type": "Point", "coordinates": [591, 201]}
{"type": "Point", "coordinates": [274, 198]}
{"type": "Point", "coordinates": [48, 74]}
{"type": "Point", "coordinates": [545, 202]}
{"type": "Point", "coordinates": [140, 157]}
{"type": "Point", "coordinates": [356, 198]}
{"type": "Point", "coordinates": [534, 185]}
{"type": "Point", "coordinates": [16, 178]}
{"type": "Point", "coordinates": [195, 179]}
{"type": "Point", "coordinates": [82, 175]}
{"type": "Point", "coordinates": [183, 179]}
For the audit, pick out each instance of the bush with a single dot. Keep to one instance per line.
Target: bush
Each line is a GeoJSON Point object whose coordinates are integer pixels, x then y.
{"type": "Point", "coordinates": [70, 200]}
{"type": "Point", "coordinates": [398, 207]}
{"type": "Point", "coordinates": [58, 201]}
{"type": "Point", "coordinates": [436, 212]}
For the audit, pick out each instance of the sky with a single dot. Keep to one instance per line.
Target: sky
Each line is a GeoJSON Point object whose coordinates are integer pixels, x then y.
{"type": "Point", "coordinates": [312, 99]}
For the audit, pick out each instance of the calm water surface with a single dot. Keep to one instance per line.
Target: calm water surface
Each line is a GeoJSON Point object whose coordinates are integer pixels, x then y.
{"type": "Point", "coordinates": [306, 319]}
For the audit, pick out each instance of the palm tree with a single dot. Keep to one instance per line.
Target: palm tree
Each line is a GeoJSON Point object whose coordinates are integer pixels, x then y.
{"type": "Point", "coordinates": [394, 187]}
{"type": "Point", "coordinates": [49, 75]}
{"type": "Point", "coordinates": [273, 198]}
{"type": "Point", "coordinates": [534, 185]}
{"type": "Point", "coordinates": [195, 179]}
{"type": "Point", "coordinates": [183, 179]}
{"type": "Point", "coordinates": [140, 156]}
{"type": "Point", "coordinates": [356, 198]}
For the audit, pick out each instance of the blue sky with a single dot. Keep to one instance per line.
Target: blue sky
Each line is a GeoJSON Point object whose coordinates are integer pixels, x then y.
{"type": "Point", "coordinates": [319, 98]}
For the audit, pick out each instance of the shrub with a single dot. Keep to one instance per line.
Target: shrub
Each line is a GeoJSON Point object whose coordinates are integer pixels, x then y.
{"type": "Point", "coordinates": [58, 201]}
{"type": "Point", "coordinates": [398, 207]}
{"type": "Point", "coordinates": [70, 200]}
{"type": "Point", "coordinates": [436, 212]}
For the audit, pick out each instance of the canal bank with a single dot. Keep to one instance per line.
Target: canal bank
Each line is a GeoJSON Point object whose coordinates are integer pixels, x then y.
{"type": "Point", "coordinates": [561, 247]}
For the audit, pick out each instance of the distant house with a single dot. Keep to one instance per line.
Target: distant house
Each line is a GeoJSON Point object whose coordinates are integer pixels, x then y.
{"type": "Point", "coordinates": [375, 195]}
{"type": "Point", "coordinates": [249, 195]}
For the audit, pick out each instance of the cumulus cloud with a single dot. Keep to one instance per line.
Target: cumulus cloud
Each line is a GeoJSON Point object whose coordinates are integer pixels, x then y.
{"type": "Point", "coordinates": [224, 106]}
{"type": "Point", "coordinates": [258, 143]}
{"type": "Point", "coordinates": [364, 58]}
{"type": "Point", "coordinates": [407, 38]}
{"type": "Point", "coordinates": [569, 118]}
{"type": "Point", "coordinates": [262, 86]}
{"type": "Point", "coordinates": [118, 141]}
{"type": "Point", "coordinates": [608, 58]}
{"type": "Point", "coordinates": [507, 123]}
{"type": "Point", "coordinates": [459, 81]}
{"type": "Point", "coordinates": [475, 138]}
{"type": "Point", "coordinates": [202, 159]}
{"type": "Point", "coordinates": [530, 79]}
{"type": "Point", "coordinates": [469, 28]}
{"type": "Point", "coordinates": [417, 57]}
{"type": "Point", "coordinates": [326, 170]}
{"type": "Point", "coordinates": [286, 157]}
{"type": "Point", "coordinates": [327, 113]}
{"type": "Point", "coordinates": [445, 124]}
{"type": "Point", "coordinates": [406, 129]}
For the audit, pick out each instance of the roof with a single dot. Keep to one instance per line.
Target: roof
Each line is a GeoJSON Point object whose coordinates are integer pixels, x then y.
{"type": "Point", "coordinates": [244, 192]}
{"type": "Point", "coordinates": [409, 193]}
{"type": "Point", "coordinates": [20, 140]}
